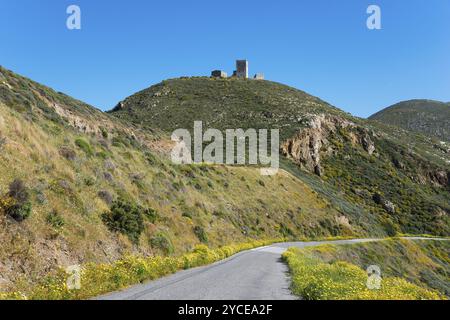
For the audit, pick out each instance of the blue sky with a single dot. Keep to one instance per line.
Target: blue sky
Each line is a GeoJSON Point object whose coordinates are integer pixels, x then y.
{"type": "Point", "coordinates": [320, 46]}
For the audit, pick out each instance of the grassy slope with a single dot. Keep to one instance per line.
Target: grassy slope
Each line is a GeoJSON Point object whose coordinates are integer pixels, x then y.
{"type": "Point", "coordinates": [424, 116]}
{"type": "Point", "coordinates": [229, 204]}
{"type": "Point", "coordinates": [402, 170]}
{"type": "Point", "coordinates": [222, 104]}
{"type": "Point", "coordinates": [337, 272]}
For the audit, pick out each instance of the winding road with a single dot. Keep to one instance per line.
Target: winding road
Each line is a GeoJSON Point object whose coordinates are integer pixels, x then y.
{"type": "Point", "coordinates": [257, 274]}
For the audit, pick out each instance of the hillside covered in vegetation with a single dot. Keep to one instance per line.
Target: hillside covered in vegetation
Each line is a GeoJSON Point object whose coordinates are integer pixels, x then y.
{"type": "Point", "coordinates": [80, 186]}
{"type": "Point", "coordinates": [423, 116]}
{"type": "Point", "coordinates": [376, 175]}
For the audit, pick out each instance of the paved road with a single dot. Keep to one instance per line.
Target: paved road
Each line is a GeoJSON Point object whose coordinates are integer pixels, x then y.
{"type": "Point", "coordinates": [257, 274]}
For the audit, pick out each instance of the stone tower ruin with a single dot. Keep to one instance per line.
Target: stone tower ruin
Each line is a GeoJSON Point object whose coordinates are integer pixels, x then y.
{"type": "Point", "coordinates": [242, 69]}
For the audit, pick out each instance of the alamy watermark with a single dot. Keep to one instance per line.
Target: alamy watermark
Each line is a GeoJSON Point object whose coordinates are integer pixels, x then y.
{"type": "Point", "coordinates": [250, 147]}
{"type": "Point", "coordinates": [374, 20]}
{"type": "Point", "coordinates": [73, 22]}
{"type": "Point", "coordinates": [73, 281]}
{"type": "Point", "coordinates": [374, 278]}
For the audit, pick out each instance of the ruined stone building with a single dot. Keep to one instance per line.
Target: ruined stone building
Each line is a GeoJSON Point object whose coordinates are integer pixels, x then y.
{"type": "Point", "coordinates": [241, 72]}
{"type": "Point", "coordinates": [242, 69]}
{"type": "Point", "coordinates": [259, 76]}
{"type": "Point", "coordinates": [219, 74]}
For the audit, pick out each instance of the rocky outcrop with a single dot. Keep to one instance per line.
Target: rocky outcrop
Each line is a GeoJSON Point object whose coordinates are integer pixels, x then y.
{"type": "Point", "coordinates": [119, 106]}
{"type": "Point", "coordinates": [386, 204]}
{"type": "Point", "coordinates": [367, 143]}
{"type": "Point", "coordinates": [442, 178]}
{"type": "Point", "coordinates": [314, 141]}
{"type": "Point", "coordinates": [76, 121]}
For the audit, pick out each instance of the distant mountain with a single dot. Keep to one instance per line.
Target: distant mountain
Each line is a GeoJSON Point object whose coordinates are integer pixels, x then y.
{"type": "Point", "coordinates": [424, 116]}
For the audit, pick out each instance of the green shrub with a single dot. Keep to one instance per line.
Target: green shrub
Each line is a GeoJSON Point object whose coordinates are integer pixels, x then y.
{"type": "Point", "coordinates": [89, 181]}
{"type": "Point", "coordinates": [391, 228]}
{"type": "Point", "coordinates": [19, 212]}
{"type": "Point", "coordinates": [85, 146]}
{"type": "Point", "coordinates": [103, 155]}
{"type": "Point", "coordinates": [201, 234]}
{"type": "Point", "coordinates": [55, 220]}
{"type": "Point", "coordinates": [151, 215]}
{"type": "Point", "coordinates": [187, 215]}
{"type": "Point", "coordinates": [126, 218]}
{"type": "Point", "coordinates": [285, 231]}
{"type": "Point", "coordinates": [162, 242]}
{"type": "Point", "coordinates": [104, 133]}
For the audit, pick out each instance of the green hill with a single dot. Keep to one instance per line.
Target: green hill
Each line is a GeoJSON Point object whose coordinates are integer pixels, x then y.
{"type": "Point", "coordinates": [222, 104]}
{"type": "Point", "coordinates": [424, 116]}
{"type": "Point", "coordinates": [368, 170]}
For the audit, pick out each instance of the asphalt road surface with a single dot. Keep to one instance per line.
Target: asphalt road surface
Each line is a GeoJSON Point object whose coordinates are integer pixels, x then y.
{"type": "Point", "coordinates": [257, 274]}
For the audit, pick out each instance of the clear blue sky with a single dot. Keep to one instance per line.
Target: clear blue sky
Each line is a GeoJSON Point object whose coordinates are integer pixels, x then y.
{"type": "Point", "coordinates": [320, 46]}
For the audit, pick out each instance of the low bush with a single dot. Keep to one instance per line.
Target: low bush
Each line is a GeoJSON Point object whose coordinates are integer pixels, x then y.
{"type": "Point", "coordinates": [187, 215]}
{"type": "Point", "coordinates": [151, 215]}
{"type": "Point", "coordinates": [55, 220]}
{"type": "Point", "coordinates": [201, 234]}
{"type": "Point", "coordinates": [126, 218]}
{"type": "Point", "coordinates": [162, 242]}
{"type": "Point", "coordinates": [104, 133]}
{"type": "Point", "coordinates": [106, 196]}
{"type": "Point", "coordinates": [89, 181]}
{"type": "Point", "coordinates": [85, 146]}
{"type": "Point", "coordinates": [19, 212]}
{"type": "Point", "coordinates": [18, 191]}
{"type": "Point", "coordinates": [16, 203]}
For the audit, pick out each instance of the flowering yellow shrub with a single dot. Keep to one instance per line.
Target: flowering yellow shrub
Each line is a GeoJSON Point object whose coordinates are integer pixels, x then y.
{"type": "Point", "coordinates": [5, 202]}
{"type": "Point", "coordinates": [12, 296]}
{"type": "Point", "coordinates": [313, 279]}
{"type": "Point", "coordinates": [97, 279]}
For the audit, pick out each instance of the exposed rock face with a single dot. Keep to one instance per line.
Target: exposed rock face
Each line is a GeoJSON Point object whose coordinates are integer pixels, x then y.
{"type": "Point", "coordinates": [439, 212]}
{"type": "Point", "coordinates": [368, 144]}
{"type": "Point", "coordinates": [386, 204]}
{"type": "Point", "coordinates": [119, 106]}
{"type": "Point", "coordinates": [343, 221]}
{"type": "Point", "coordinates": [442, 178]}
{"type": "Point", "coordinates": [312, 142]}
{"type": "Point", "coordinates": [164, 91]}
